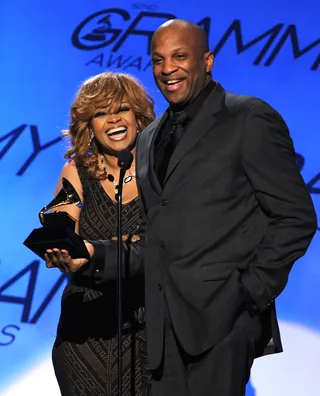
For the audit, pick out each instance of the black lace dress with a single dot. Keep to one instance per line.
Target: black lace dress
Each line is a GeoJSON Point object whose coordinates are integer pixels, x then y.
{"type": "Point", "coordinates": [85, 351]}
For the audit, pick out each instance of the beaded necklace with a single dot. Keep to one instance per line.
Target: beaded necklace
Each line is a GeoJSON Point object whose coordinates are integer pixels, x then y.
{"type": "Point", "coordinates": [110, 177]}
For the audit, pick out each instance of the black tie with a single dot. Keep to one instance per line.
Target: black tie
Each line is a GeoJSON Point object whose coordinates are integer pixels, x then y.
{"type": "Point", "coordinates": [178, 120]}
{"type": "Point", "coordinates": [169, 142]}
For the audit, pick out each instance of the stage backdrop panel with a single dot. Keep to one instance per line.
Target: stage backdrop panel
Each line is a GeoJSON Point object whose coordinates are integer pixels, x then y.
{"type": "Point", "coordinates": [270, 49]}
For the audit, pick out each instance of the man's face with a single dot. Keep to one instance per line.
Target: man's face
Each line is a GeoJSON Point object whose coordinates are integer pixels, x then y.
{"type": "Point", "coordinates": [179, 65]}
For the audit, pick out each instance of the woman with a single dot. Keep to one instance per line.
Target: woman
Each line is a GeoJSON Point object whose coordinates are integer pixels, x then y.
{"type": "Point", "coordinates": [109, 111]}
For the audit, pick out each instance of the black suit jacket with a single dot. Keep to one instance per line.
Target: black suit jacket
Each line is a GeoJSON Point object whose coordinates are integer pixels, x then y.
{"type": "Point", "coordinates": [233, 209]}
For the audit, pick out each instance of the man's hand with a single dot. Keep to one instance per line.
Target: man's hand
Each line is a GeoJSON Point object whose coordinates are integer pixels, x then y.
{"type": "Point", "coordinates": [62, 260]}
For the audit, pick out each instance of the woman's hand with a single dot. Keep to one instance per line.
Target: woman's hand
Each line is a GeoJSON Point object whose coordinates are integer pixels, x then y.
{"type": "Point", "coordinates": [133, 238]}
{"type": "Point", "coordinates": [61, 259]}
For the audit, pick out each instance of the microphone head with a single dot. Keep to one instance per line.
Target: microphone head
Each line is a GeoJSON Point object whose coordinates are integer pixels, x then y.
{"type": "Point", "coordinates": [125, 159]}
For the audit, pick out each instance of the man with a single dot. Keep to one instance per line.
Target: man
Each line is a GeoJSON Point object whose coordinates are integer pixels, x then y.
{"type": "Point", "coordinates": [226, 215]}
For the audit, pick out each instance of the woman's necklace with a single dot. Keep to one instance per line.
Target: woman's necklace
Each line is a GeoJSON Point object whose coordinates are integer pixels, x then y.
{"type": "Point", "coordinates": [110, 177]}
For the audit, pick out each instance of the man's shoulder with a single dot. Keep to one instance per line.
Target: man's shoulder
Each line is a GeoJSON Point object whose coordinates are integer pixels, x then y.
{"type": "Point", "coordinates": [236, 103]}
{"type": "Point", "coordinates": [243, 104]}
{"type": "Point", "coordinates": [146, 134]}
{"type": "Point", "coordinates": [150, 128]}
{"type": "Point", "coordinates": [154, 123]}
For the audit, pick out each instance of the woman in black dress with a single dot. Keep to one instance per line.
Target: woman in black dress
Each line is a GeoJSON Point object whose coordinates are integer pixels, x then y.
{"type": "Point", "coordinates": [108, 112]}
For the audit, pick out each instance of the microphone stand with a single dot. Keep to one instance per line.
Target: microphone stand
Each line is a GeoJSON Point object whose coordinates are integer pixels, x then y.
{"type": "Point", "coordinates": [125, 158]}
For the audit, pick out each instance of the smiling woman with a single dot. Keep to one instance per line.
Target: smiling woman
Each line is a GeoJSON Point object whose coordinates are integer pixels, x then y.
{"type": "Point", "coordinates": [116, 129]}
{"type": "Point", "coordinates": [108, 112]}
{"type": "Point", "coordinates": [104, 102]}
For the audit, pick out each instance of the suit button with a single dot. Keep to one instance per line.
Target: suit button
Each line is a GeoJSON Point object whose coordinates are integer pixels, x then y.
{"type": "Point", "coordinates": [164, 202]}
{"type": "Point", "coordinates": [162, 244]}
{"type": "Point", "coordinates": [159, 287]}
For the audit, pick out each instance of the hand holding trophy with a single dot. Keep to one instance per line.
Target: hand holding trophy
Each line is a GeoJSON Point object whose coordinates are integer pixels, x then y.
{"type": "Point", "coordinates": [58, 229]}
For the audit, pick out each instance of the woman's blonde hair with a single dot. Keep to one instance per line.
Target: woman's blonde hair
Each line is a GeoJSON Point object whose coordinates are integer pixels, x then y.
{"type": "Point", "coordinates": [104, 90]}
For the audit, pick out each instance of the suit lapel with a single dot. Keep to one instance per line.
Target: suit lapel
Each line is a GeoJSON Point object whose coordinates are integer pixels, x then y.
{"type": "Point", "coordinates": [147, 147]}
{"type": "Point", "coordinates": [201, 125]}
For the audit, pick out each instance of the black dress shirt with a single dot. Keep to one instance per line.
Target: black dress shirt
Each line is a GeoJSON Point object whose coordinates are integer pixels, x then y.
{"type": "Point", "coordinates": [163, 146]}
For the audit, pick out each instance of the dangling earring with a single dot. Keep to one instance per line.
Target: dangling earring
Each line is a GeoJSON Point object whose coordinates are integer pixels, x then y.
{"type": "Point", "coordinates": [90, 143]}
{"type": "Point", "coordinates": [91, 137]}
{"type": "Point", "coordinates": [137, 128]}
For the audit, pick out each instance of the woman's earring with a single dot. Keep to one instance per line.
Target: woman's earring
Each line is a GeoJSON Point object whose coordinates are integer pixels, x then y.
{"type": "Point", "coordinates": [91, 137]}
{"type": "Point", "coordinates": [137, 128]}
{"type": "Point", "coordinates": [90, 142]}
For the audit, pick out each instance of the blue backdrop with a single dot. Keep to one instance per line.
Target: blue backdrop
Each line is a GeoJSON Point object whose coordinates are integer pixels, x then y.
{"type": "Point", "coordinates": [270, 49]}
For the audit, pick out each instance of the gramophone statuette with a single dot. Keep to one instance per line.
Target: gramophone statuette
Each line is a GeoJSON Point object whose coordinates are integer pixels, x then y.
{"type": "Point", "coordinates": [58, 229]}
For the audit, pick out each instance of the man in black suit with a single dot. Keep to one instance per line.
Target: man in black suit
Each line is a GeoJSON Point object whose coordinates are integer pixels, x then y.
{"type": "Point", "coordinates": [226, 214]}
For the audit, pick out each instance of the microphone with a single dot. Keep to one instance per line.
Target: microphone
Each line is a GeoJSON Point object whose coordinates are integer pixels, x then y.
{"type": "Point", "coordinates": [125, 159]}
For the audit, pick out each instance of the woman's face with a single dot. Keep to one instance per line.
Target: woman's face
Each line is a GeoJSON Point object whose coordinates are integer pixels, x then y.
{"type": "Point", "coordinates": [115, 130]}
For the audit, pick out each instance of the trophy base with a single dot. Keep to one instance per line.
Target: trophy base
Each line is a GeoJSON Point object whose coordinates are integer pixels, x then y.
{"type": "Point", "coordinates": [57, 232]}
